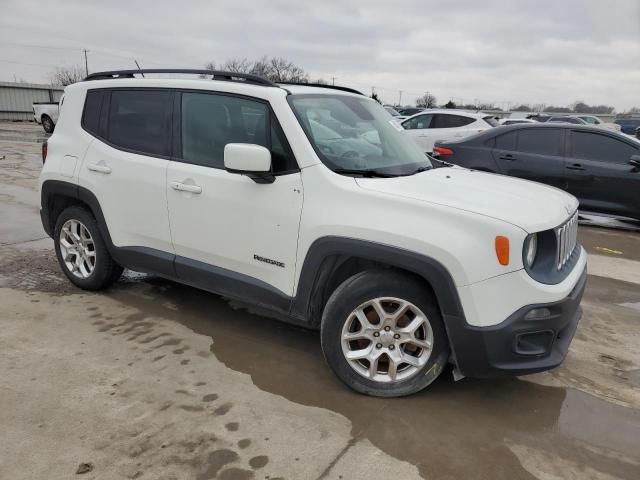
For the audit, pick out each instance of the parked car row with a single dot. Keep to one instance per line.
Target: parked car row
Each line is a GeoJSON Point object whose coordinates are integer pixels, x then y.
{"type": "Point", "coordinates": [600, 167]}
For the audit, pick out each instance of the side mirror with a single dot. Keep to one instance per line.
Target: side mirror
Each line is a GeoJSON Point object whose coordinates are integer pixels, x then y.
{"type": "Point", "coordinates": [248, 159]}
{"type": "Point", "coordinates": [635, 161]}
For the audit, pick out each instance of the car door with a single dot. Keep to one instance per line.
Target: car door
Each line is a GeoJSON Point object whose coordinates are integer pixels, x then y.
{"type": "Point", "coordinates": [417, 127]}
{"type": "Point", "coordinates": [125, 167]}
{"type": "Point", "coordinates": [600, 175]}
{"type": "Point", "coordinates": [534, 153]}
{"type": "Point", "coordinates": [230, 232]}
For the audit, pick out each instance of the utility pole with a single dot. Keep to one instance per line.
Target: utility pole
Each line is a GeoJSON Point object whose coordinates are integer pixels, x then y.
{"type": "Point", "coordinates": [373, 90]}
{"type": "Point", "coordinates": [86, 65]}
{"type": "Point", "coordinates": [400, 99]}
{"type": "Point", "coordinates": [333, 81]}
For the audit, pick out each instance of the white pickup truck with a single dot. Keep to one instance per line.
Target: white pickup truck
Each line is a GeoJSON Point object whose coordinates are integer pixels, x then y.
{"type": "Point", "coordinates": [46, 114]}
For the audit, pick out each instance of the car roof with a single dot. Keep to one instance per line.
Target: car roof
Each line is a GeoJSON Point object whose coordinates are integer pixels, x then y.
{"type": "Point", "coordinates": [451, 111]}
{"type": "Point", "coordinates": [481, 137]}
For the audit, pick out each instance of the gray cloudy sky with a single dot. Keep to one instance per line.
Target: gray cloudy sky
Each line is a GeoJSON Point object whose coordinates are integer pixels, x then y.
{"type": "Point", "coordinates": [552, 52]}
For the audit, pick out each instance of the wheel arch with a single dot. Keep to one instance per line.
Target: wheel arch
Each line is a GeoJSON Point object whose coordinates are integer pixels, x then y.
{"type": "Point", "coordinates": [331, 260]}
{"type": "Point", "coordinates": [56, 195]}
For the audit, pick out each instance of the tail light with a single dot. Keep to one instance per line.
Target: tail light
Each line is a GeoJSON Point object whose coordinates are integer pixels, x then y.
{"type": "Point", "coordinates": [442, 151]}
{"type": "Point", "coordinates": [44, 151]}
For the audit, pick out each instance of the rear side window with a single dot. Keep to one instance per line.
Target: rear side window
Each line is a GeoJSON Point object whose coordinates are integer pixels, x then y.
{"type": "Point", "coordinates": [139, 120]}
{"type": "Point", "coordinates": [507, 141]}
{"type": "Point", "coordinates": [417, 123]}
{"type": "Point", "coordinates": [443, 120]}
{"type": "Point", "coordinates": [92, 109]}
{"type": "Point", "coordinates": [541, 141]}
{"type": "Point", "coordinates": [209, 122]}
{"type": "Point", "coordinates": [592, 146]}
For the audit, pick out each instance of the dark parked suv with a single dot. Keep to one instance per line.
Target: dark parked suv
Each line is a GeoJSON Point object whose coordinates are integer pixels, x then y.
{"type": "Point", "coordinates": [600, 167]}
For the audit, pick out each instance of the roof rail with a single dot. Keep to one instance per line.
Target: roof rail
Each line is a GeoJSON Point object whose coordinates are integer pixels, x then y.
{"type": "Point", "coordinates": [322, 85]}
{"type": "Point", "coordinates": [216, 75]}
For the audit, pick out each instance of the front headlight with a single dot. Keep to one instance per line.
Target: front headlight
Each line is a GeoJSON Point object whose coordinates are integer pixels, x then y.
{"type": "Point", "coordinates": [530, 249]}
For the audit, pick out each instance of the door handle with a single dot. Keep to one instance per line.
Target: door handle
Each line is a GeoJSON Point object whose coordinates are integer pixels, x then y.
{"type": "Point", "coordinates": [508, 157]}
{"type": "Point", "coordinates": [183, 187]}
{"type": "Point", "coordinates": [575, 166]}
{"type": "Point", "coordinates": [96, 167]}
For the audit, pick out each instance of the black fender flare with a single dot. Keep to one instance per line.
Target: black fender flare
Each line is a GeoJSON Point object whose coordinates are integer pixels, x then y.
{"type": "Point", "coordinates": [426, 267]}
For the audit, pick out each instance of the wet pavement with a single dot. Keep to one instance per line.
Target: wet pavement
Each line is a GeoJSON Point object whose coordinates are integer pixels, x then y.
{"type": "Point", "coordinates": [152, 379]}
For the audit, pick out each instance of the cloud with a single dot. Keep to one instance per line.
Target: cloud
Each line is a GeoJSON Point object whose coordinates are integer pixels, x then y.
{"type": "Point", "coordinates": [545, 51]}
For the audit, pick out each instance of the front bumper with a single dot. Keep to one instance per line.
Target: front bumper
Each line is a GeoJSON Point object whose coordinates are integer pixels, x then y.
{"type": "Point", "coordinates": [524, 343]}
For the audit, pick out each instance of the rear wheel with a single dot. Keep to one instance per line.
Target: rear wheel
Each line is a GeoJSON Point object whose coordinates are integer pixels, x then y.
{"type": "Point", "coordinates": [47, 124]}
{"type": "Point", "coordinates": [81, 251]}
{"type": "Point", "coordinates": [382, 334]}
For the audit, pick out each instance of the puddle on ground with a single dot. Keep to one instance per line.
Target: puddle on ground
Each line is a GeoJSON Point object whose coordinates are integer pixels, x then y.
{"type": "Point", "coordinates": [451, 430]}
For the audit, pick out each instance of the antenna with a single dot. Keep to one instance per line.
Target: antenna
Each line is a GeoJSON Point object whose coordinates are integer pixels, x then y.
{"type": "Point", "coordinates": [136, 61]}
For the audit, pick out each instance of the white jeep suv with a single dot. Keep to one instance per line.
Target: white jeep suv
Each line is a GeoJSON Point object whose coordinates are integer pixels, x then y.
{"type": "Point", "coordinates": [309, 202]}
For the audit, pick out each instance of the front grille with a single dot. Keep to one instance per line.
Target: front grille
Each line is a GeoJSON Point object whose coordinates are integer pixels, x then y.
{"type": "Point", "coordinates": [566, 240]}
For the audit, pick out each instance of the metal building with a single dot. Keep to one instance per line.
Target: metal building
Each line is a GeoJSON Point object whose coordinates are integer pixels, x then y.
{"type": "Point", "coordinates": [16, 99]}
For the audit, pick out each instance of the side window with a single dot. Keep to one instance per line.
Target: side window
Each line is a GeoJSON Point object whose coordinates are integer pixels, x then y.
{"type": "Point", "coordinates": [541, 141]}
{"type": "Point", "coordinates": [139, 120]}
{"type": "Point", "coordinates": [419, 122]}
{"type": "Point", "coordinates": [592, 146]}
{"type": "Point", "coordinates": [91, 113]}
{"type": "Point", "coordinates": [444, 120]}
{"type": "Point", "coordinates": [211, 121]}
{"type": "Point", "coordinates": [506, 141]}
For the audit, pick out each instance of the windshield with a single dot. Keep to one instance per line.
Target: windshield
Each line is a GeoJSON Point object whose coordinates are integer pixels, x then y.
{"type": "Point", "coordinates": [355, 135]}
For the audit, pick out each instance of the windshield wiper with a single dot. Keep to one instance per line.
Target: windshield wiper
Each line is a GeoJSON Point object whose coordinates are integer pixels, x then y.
{"type": "Point", "coordinates": [421, 169]}
{"type": "Point", "coordinates": [370, 173]}
{"type": "Point", "coordinates": [442, 162]}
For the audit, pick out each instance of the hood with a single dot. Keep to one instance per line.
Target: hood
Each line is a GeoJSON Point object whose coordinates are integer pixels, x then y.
{"type": "Point", "coordinates": [531, 206]}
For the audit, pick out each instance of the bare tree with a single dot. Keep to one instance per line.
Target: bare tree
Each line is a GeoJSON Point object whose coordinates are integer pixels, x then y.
{"type": "Point", "coordinates": [522, 108]}
{"type": "Point", "coordinates": [426, 101]}
{"type": "Point", "coordinates": [634, 110]}
{"type": "Point", "coordinates": [375, 96]}
{"type": "Point", "coordinates": [238, 65]}
{"type": "Point", "coordinates": [276, 69]}
{"type": "Point", "coordinates": [66, 76]}
{"type": "Point", "coordinates": [283, 70]}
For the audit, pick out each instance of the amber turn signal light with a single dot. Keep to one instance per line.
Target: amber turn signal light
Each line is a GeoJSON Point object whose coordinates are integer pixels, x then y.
{"type": "Point", "coordinates": [502, 250]}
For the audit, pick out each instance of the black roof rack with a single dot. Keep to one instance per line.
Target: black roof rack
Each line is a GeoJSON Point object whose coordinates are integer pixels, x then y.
{"type": "Point", "coordinates": [322, 85]}
{"type": "Point", "coordinates": [216, 75]}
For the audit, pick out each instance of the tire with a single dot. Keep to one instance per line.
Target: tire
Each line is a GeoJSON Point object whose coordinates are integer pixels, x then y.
{"type": "Point", "coordinates": [76, 230]}
{"type": "Point", "coordinates": [366, 293]}
{"type": "Point", "coordinates": [47, 124]}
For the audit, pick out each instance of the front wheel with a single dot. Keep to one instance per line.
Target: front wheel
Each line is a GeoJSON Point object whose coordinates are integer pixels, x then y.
{"type": "Point", "coordinates": [382, 334]}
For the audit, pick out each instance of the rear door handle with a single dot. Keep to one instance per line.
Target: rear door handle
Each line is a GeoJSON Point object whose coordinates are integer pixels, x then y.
{"type": "Point", "coordinates": [508, 157]}
{"type": "Point", "coordinates": [575, 166]}
{"type": "Point", "coordinates": [183, 187]}
{"type": "Point", "coordinates": [100, 168]}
